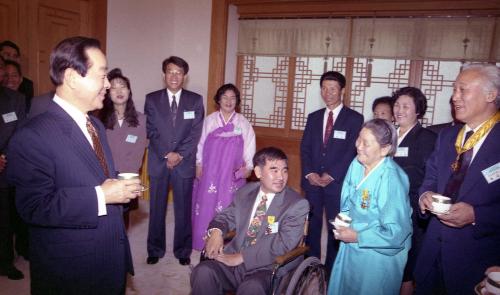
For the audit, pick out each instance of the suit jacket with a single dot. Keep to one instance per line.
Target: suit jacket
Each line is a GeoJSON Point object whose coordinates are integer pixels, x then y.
{"type": "Point", "coordinates": [465, 252]}
{"type": "Point", "coordinates": [26, 88]}
{"type": "Point", "coordinates": [165, 138]}
{"type": "Point", "coordinates": [290, 210]}
{"type": "Point", "coordinates": [337, 156]}
{"type": "Point", "coordinates": [40, 103]}
{"type": "Point", "coordinates": [72, 250]}
{"type": "Point", "coordinates": [420, 143]}
{"type": "Point", "coordinates": [10, 102]}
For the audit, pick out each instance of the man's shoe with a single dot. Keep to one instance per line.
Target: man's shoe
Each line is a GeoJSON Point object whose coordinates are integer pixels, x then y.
{"type": "Point", "coordinates": [12, 273]}
{"type": "Point", "coordinates": [184, 261]}
{"type": "Point", "coordinates": [152, 260]}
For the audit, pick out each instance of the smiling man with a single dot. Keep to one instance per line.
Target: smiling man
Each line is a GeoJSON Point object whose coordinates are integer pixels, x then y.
{"type": "Point", "coordinates": [465, 166]}
{"type": "Point", "coordinates": [65, 182]}
{"type": "Point", "coordinates": [269, 220]}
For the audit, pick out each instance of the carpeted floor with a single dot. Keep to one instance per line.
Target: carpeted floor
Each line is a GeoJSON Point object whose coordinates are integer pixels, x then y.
{"type": "Point", "coordinates": [167, 277]}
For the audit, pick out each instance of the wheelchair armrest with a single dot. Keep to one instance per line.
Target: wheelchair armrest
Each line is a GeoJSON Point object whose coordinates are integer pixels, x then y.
{"type": "Point", "coordinates": [290, 255]}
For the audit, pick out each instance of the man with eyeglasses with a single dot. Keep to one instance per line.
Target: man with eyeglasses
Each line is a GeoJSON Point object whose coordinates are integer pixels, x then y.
{"type": "Point", "coordinates": [174, 124]}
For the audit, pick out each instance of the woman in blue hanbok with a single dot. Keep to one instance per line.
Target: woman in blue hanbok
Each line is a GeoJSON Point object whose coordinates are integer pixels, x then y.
{"type": "Point", "coordinates": [374, 249]}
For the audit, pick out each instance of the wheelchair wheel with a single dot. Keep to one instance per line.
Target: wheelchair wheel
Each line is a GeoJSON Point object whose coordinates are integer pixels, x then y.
{"type": "Point", "coordinates": [308, 278]}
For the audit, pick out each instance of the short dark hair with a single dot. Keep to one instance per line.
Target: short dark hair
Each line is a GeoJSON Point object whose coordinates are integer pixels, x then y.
{"type": "Point", "coordinates": [385, 133]}
{"type": "Point", "coordinates": [418, 97]}
{"type": "Point", "coordinates": [181, 63]}
{"type": "Point", "coordinates": [8, 43]}
{"type": "Point", "coordinates": [383, 99]}
{"type": "Point", "coordinates": [71, 53]}
{"type": "Point", "coordinates": [223, 89]}
{"type": "Point", "coordinates": [333, 76]}
{"type": "Point", "coordinates": [15, 65]}
{"type": "Point", "coordinates": [268, 154]}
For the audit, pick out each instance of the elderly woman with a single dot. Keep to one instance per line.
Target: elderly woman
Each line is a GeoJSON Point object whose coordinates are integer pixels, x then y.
{"type": "Point", "coordinates": [373, 250]}
{"type": "Point", "coordinates": [415, 145]}
{"type": "Point", "coordinates": [223, 160]}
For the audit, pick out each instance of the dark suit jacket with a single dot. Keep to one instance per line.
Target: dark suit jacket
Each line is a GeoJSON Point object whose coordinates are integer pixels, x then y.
{"type": "Point", "coordinates": [40, 103]}
{"type": "Point", "coordinates": [290, 210]}
{"type": "Point", "coordinates": [165, 138]}
{"type": "Point", "coordinates": [72, 250]}
{"type": "Point", "coordinates": [26, 88]}
{"type": "Point", "coordinates": [10, 101]}
{"type": "Point", "coordinates": [337, 157]}
{"type": "Point", "coordinates": [420, 143]}
{"type": "Point", "coordinates": [465, 252]}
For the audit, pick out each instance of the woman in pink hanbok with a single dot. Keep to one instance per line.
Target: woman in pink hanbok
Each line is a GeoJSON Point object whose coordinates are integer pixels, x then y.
{"type": "Point", "coordinates": [223, 160]}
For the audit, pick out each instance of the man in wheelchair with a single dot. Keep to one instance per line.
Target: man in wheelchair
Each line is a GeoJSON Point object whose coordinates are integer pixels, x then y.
{"type": "Point", "coordinates": [268, 218]}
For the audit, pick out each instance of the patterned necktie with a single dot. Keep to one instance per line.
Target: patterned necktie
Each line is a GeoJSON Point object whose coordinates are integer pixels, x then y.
{"type": "Point", "coordinates": [328, 129]}
{"type": "Point", "coordinates": [253, 228]}
{"type": "Point", "coordinates": [97, 146]}
{"type": "Point", "coordinates": [173, 108]}
{"type": "Point", "coordinates": [457, 177]}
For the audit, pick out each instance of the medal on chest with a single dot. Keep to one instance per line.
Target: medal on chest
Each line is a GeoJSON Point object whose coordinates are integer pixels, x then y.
{"type": "Point", "coordinates": [365, 199]}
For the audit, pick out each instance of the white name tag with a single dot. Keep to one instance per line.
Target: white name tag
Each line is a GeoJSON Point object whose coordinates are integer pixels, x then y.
{"type": "Point", "coordinates": [492, 173]}
{"type": "Point", "coordinates": [188, 115]}
{"type": "Point", "coordinates": [401, 152]}
{"type": "Point", "coordinates": [273, 228]}
{"type": "Point", "coordinates": [9, 117]}
{"type": "Point", "coordinates": [131, 138]}
{"type": "Point", "coordinates": [339, 134]}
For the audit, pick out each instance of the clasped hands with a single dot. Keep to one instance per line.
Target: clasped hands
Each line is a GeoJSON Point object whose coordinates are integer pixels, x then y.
{"type": "Point", "coordinates": [214, 246]}
{"type": "Point", "coordinates": [173, 159]}
{"type": "Point", "coordinates": [459, 215]}
{"type": "Point", "coordinates": [316, 180]}
{"type": "Point", "coordinates": [121, 191]}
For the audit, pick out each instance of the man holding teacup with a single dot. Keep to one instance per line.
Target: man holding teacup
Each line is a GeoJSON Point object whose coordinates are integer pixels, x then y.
{"type": "Point", "coordinates": [463, 241]}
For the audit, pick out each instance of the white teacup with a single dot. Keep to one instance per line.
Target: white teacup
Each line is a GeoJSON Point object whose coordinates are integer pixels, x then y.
{"type": "Point", "coordinates": [341, 220]}
{"type": "Point", "coordinates": [131, 175]}
{"type": "Point", "coordinates": [440, 204]}
{"type": "Point", "coordinates": [493, 282]}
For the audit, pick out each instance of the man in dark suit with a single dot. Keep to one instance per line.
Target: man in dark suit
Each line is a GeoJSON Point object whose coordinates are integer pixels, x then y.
{"type": "Point", "coordinates": [10, 51]}
{"type": "Point", "coordinates": [262, 233]}
{"type": "Point", "coordinates": [465, 166]}
{"type": "Point", "coordinates": [12, 111]}
{"type": "Point", "coordinates": [40, 104]}
{"type": "Point", "coordinates": [326, 151]}
{"type": "Point", "coordinates": [174, 123]}
{"type": "Point", "coordinates": [65, 186]}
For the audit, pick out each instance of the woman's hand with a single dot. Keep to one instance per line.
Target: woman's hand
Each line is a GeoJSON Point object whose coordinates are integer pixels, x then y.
{"type": "Point", "coordinates": [346, 234]}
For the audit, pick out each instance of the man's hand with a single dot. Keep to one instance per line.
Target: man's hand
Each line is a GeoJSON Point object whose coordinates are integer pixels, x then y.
{"type": "Point", "coordinates": [325, 179]}
{"type": "Point", "coordinates": [121, 191]}
{"type": "Point", "coordinates": [214, 244]}
{"type": "Point", "coordinates": [173, 159]}
{"type": "Point", "coordinates": [3, 162]}
{"type": "Point", "coordinates": [346, 234]}
{"type": "Point", "coordinates": [460, 215]}
{"type": "Point", "coordinates": [230, 259]}
{"type": "Point", "coordinates": [314, 179]}
{"type": "Point", "coordinates": [425, 201]}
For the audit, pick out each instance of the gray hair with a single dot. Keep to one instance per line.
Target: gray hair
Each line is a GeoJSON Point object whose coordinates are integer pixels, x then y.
{"type": "Point", "coordinates": [384, 132]}
{"type": "Point", "coordinates": [490, 75]}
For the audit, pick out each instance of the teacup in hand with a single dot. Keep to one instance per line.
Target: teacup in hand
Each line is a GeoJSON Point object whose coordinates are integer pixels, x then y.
{"type": "Point", "coordinates": [131, 175]}
{"type": "Point", "coordinates": [440, 204]}
{"type": "Point", "coordinates": [341, 220]}
{"type": "Point", "coordinates": [493, 282]}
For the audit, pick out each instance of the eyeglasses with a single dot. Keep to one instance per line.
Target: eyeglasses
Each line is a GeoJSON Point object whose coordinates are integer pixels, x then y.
{"type": "Point", "coordinates": [175, 73]}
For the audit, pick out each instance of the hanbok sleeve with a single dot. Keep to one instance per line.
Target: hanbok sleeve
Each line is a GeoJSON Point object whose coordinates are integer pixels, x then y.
{"type": "Point", "coordinates": [388, 232]}
{"type": "Point", "coordinates": [208, 124]}
{"type": "Point", "coordinates": [248, 142]}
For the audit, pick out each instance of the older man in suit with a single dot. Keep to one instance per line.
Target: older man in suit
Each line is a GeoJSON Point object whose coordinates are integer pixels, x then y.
{"type": "Point", "coordinates": [174, 123]}
{"type": "Point", "coordinates": [65, 186]}
{"type": "Point", "coordinates": [268, 218]}
{"type": "Point", "coordinates": [12, 108]}
{"type": "Point", "coordinates": [326, 151]}
{"type": "Point", "coordinates": [465, 166]}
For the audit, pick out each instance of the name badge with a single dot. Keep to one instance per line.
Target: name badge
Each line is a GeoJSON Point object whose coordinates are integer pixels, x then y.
{"type": "Point", "coordinates": [237, 130]}
{"type": "Point", "coordinates": [339, 134]}
{"type": "Point", "coordinates": [272, 228]}
{"type": "Point", "coordinates": [188, 115]}
{"type": "Point", "coordinates": [9, 117]}
{"type": "Point", "coordinates": [131, 138]}
{"type": "Point", "coordinates": [492, 173]}
{"type": "Point", "coordinates": [401, 152]}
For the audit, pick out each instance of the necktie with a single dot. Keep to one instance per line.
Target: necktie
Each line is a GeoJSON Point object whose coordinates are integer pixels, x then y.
{"type": "Point", "coordinates": [173, 108]}
{"type": "Point", "coordinates": [457, 177]}
{"type": "Point", "coordinates": [97, 146]}
{"type": "Point", "coordinates": [253, 228]}
{"type": "Point", "coordinates": [328, 129]}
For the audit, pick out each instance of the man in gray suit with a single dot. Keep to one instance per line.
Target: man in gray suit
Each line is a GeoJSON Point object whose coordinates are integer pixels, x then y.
{"type": "Point", "coordinates": [269, 221]}
{"type": "Point", "coordinates": [174, 123]}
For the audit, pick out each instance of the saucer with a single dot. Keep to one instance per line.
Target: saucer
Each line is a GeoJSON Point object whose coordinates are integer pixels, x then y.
{"type": "Point", "coordinates": [439, 213]}
{"type": "Point", "coordinates": [480, 290]}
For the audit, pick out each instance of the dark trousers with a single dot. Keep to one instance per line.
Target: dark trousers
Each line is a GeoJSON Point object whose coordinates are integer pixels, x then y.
{"type": "Point", "coordinates": [320, 202]}
{"type": "Point", "coordinates": [182, 188]}
{"type": "Point", "coordinates": [11, 225]}
{"type": "Point", "coordinates": [213, 277]}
